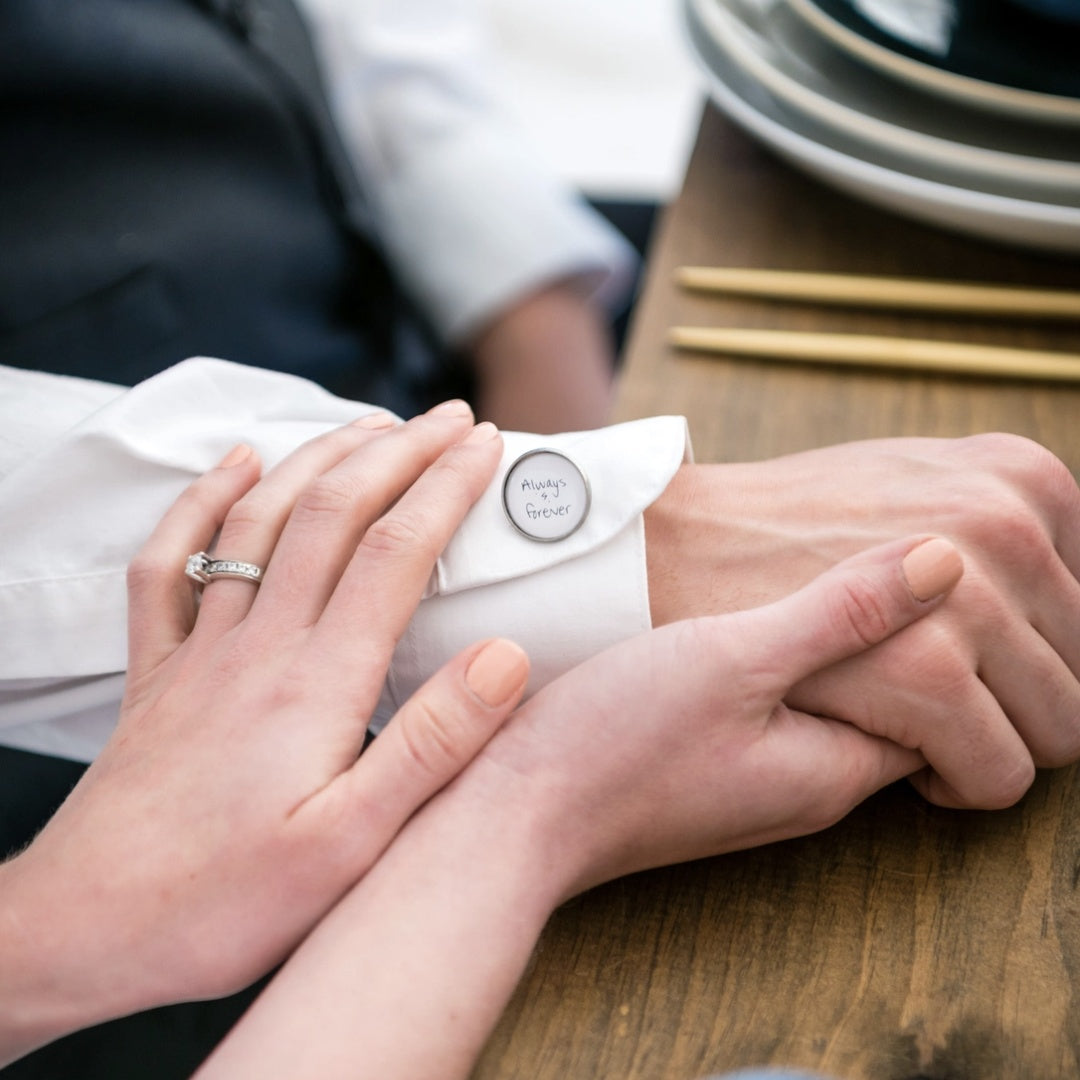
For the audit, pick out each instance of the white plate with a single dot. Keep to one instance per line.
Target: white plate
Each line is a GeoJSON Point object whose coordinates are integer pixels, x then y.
{"type": "Point", "coordinates": [942, 142]}
{"type": "Point", "coordinates": [1004, 100]}
{"type": "Point", "coordinates": [1015, 221]}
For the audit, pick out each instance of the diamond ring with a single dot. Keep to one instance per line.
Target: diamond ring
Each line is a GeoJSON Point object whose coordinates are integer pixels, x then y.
{"type": "Point", "coordinates": [201, 568]}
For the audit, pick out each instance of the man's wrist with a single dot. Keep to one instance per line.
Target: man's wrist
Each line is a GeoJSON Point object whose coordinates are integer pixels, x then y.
{"type": "Point", "coordinates": [706, 537]}
{"type": "Point", "coordinates": [680, 531]}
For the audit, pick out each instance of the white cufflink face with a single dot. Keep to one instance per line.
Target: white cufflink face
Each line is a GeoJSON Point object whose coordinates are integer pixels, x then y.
{"type": "Point", "coordinates": [545, 495]}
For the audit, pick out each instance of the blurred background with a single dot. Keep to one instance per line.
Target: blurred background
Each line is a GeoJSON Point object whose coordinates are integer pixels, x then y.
{"type": "Point", "coordinates": [613, 102]}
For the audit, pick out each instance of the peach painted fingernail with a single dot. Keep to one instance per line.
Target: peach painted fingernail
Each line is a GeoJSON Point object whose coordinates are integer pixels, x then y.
{"type": "Point", "coordinates": [932, 568]}
{"type": "Point", "coordinates": [456, 407]}
{"type": "Point", "coordinates": [375, 420]}
{"type": "Point", "coordinates": [497, 671]}
{"type": "Point", "coordinates": [236, 455]}
{"type": "Point", "coordinates": [483, 432]}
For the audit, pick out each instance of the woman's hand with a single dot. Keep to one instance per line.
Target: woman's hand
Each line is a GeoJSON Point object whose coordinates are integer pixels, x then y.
{"type": "Point", "coordinates": [670, 746]}
{"type": "Point", "coordinates": [679, 744]}
{"type": "Point", "coordinates": [230, 809]}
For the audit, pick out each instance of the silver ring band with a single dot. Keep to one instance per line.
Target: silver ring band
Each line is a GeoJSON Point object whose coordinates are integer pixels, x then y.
{"type": "Point", "coordinates": [201, 568]}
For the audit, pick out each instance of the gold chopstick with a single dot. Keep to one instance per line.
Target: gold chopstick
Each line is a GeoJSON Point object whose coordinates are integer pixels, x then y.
{"type": "Point", "coordinates": [863, 350]}
{"type": "Point", "coordinates": [884, 292]}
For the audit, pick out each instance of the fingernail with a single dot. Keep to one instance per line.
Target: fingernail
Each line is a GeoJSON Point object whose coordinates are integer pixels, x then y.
{"type": "Point", "coordinates": [497, 671]}
{"type": "Point", "coordinates": [375, 420]}
{"type": "Point", "coordinates": [932, 568]}
{"type": "Point", "coordinates": [484, 432]}
{"type": "Point", "coordinates": [457, 407]}
{"type": "Point", "coordinates": [237, 454]}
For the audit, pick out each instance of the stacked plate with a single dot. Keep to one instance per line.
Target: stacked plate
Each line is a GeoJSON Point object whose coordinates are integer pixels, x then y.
{"type": "Point", "coordinates": [887, 106]}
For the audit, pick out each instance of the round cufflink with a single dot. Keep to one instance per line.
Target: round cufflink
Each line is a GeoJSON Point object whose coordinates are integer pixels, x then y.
{"type": "Point", "coordinates": [545, 495]}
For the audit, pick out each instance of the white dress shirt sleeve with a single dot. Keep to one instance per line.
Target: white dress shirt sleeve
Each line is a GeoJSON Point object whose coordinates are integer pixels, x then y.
{"type": "Point", "coordinates": [470, 216]}
{"type": "Point", "coordinates": [87, 469]}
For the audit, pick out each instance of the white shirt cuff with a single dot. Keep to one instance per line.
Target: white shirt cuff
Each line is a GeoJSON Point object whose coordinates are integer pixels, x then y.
{"type": "Point", "coordinates": [563, 601]}
{"type": "Point", "coordinates": [76, 506]}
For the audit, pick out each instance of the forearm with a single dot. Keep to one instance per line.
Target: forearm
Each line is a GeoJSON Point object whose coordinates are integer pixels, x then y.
{"type": "Point", "coordinates": [406, 977]}
{"type": "Point", "coordinates": [546, 365]}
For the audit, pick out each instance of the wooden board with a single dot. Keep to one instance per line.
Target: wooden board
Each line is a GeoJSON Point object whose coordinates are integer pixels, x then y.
{"type": "Point", "coordinates": [908, 941]}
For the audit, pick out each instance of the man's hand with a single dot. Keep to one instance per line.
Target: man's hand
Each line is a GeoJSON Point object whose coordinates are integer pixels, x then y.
{"type": "Point", "coordinates": [546, 364]}
{"type": "Point", "coordinates": [997, 669]}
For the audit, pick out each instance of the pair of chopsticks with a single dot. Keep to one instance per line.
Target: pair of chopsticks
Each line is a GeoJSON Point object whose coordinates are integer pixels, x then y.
{"type": "Point", "coordinates": [912, 294]}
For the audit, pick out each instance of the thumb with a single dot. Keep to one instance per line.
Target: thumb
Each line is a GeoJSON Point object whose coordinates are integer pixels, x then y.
{"type": "Point", "coordinates": [855, 605]}
{"type": "Point", "coordinates": [434, 736]}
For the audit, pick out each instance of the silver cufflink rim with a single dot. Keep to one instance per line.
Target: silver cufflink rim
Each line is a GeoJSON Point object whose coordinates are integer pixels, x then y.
{"type": "Point", "coordinates": [574, 465]}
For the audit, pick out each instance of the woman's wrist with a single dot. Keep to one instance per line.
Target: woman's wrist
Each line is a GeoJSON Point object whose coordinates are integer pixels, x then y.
{"type": "Point", "coordinates": [526, 827]}
{"type": "Point", "coordinates": [416, 963]}
{"type": "Point", "coordinates": [38, 1001]}
{"type": "Point", "coordinates": [69, 955]}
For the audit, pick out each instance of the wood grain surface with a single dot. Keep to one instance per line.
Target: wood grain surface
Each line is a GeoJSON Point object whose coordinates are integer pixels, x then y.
{"type": "Point", "coordinates": [907, 941]}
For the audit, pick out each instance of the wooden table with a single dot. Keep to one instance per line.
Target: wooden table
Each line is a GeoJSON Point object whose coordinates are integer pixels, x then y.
{"type": "Point", "coordinates": [907, 941]}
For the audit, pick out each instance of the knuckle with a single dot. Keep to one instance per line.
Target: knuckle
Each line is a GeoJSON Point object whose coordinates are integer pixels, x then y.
{"type": "Point", "coordinates": [1058, 750]}
{"type": "Point", "coordinates": [247, 512]}
{"type": "Point", "coordinates": [1003, 451]}
{"type": "Point", "coordinates": [941, 664]}
{"type": "Point", "coordinates": [456, 470]}
{"type": "Point", "coordinates": [1065, 748]}
{"type": "Point", "coordinates": [1024, 533]}
{"type": "Point", "coordinates": [1059, 482]}
{"type": "Point", "coordinates": [1043, 464]}
{"type": "Point", "coordinates": [1055, 742]}
{"type": "Point", "coordinates": [980, 602]}
{"type": "Point", "coordinates": [1013, 519]}
{"type": "Point", "coordinates": [996, 517]}
{"type": "Point", "coordinates": [827, 810]}
{"type": "Point", "coordinates": [288, 694]}
{"type": "Point", "coordinates": [399, 533]}
{"type": "Point", "coordinates": [201, 497]}
{"type": "Point", "coordinates": [431, 739]}
{"type": "Point", "coordinates": [1059, 500]}
{"type": "Point", "coordinates": [148, 568]}
{"type": "Point", "coordinates": [997, 444]}
{"type": "Point", "coordinates": [351, 806]}
{"type": "Point", "coordinates": [1041, 473]}
{"type": "Point", "coordinates": [1012, 785]}
{"type": "Point", "coordinates": [931, 664]}
{"type": "Point", "coordinates": [819, 808]}
{"type": "Point", "coordinates": [858, 607]}
{"type": "Point", "coordinates": [332, 494]}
